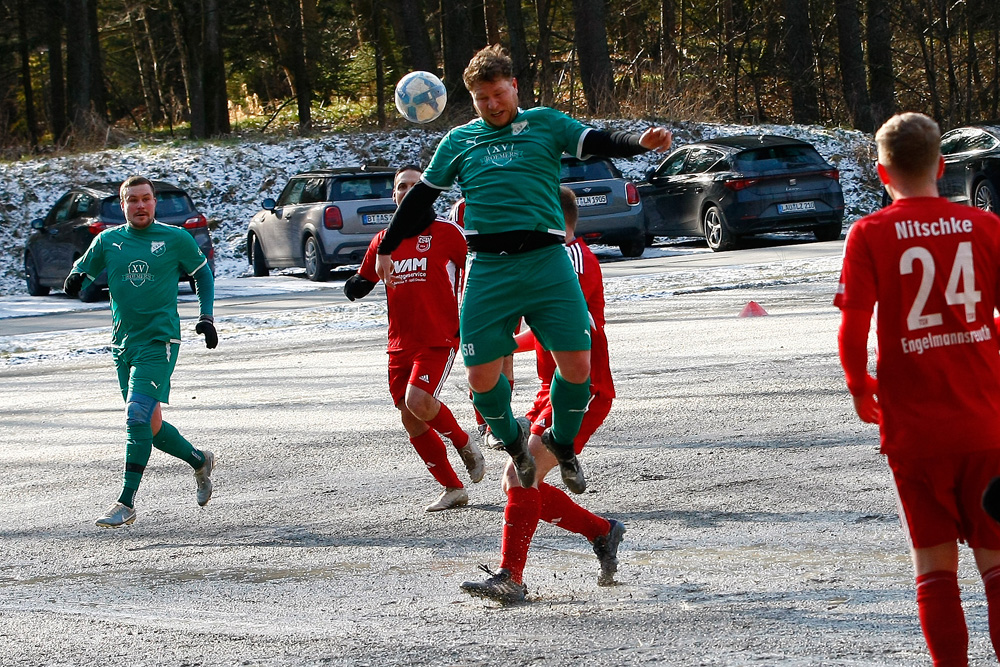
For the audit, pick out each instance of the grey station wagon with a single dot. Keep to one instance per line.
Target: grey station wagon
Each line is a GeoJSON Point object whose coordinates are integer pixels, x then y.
{"type": "Point", "coordinates": [322, 219]}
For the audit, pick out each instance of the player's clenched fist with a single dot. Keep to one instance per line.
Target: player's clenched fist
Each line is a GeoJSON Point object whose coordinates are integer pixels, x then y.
{"type": "Point", "coordinates": [656, 139]}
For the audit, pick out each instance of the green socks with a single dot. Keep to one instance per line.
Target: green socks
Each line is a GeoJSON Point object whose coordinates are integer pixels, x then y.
{"type": "Point", "coordinates": [138, 446]}
{"type": "Point", "coordinates": [494, 406]}
{"type": "Point", "coordinates": [168, 440]}
{"type": "Point", "coordinates": [569, 403]}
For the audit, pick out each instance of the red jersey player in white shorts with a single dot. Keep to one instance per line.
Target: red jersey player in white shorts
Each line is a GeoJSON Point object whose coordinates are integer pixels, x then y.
{"type": "Point", "coordinates": [525, 507]}
{"type": "Point", "coordinates": [423, 341]}
{"type": "Point", "coordinates": [933, 268]}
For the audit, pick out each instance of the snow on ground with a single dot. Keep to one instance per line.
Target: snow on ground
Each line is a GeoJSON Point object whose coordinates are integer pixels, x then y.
{"type": "Point", "coordinates": [228, 179]}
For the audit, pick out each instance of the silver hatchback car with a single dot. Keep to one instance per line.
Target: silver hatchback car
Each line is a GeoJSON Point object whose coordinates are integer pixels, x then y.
{"type": "Point", "coordinates": [610, 208]}
{"type": "Point", "coordinates": [322, 219]}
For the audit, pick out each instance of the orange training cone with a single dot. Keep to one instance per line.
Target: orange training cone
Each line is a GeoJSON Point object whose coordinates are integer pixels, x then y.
{"type": "Point", "coordinates": [752, 309]}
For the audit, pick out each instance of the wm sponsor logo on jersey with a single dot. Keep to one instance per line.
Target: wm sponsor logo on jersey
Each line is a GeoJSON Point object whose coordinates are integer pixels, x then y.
{"type": "Point", "coordinates": [138, 273]}
{"type": "Point", "coordinates": [409, 265]}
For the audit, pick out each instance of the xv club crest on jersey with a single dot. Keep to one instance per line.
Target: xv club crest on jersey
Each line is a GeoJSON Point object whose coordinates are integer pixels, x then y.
{"type": "Point", "coordinates": [424, 243]}
{"type": "Point", "coordinates": [158, 248]}
{"type": "Point", "coordinates": [138, 273]}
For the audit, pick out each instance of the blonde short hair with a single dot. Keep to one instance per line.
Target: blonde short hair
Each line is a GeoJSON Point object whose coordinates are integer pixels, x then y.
{"type": "Point", "coordinates": [909, 144]}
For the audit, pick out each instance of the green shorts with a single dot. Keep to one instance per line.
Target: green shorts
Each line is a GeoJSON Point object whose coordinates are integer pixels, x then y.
{"type": "Point", "coordinates": [540, 286]}
{"type": "Point", "coordinates": [146, 369]}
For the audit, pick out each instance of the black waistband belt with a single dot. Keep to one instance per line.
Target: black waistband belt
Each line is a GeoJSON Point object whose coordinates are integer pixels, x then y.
{"type": "Point", "coordinates": [512, 243]}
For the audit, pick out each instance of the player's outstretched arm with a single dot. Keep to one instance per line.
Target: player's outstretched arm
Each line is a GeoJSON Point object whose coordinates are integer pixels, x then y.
{"type": "Point", "coordinates": [357, 287]}
{"type": "Point", "coordinates": [412, 216]}
{"type": "Point", "coordinates": [625, 144]}
{"type": "Point", "coordinates": [852, 342]}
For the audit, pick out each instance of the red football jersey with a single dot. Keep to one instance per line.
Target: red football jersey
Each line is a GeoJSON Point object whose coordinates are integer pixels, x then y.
{"type": "Point", "coordinates": [423, 304]}
{"type": "Point", "coordinates": [933, 267]}
{"type": "Point", "coordinates": [588, 270]}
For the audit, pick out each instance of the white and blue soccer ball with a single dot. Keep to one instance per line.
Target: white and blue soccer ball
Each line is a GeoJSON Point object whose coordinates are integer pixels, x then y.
{"type": "Point", "coordinates": [420, 97]}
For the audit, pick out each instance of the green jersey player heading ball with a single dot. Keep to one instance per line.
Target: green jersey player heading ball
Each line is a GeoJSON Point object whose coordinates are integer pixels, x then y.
{"type": "Point", "coordinates": [506, 163]}
{"type": "Point", "coordinates": [144, 260]}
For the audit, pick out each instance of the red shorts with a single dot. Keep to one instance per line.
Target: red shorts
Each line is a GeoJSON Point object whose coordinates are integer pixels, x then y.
{"type": "Point", "coordinates": [426, 368]}
{"type": "Point", "coordinates": [941, 499]}
{"type": "Point", "coordinates": [540, 417]}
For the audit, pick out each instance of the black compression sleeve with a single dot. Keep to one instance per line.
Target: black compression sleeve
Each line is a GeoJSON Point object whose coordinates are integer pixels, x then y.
{"type": "Point", "coordinates": [412, 216]}
{"type": "Point", "coordinates": [612, 144]}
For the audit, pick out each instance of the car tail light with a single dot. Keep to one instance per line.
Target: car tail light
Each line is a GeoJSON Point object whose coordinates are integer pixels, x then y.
{"type": "Point", "coordinates": [195, 222]}
{"type": "Point", "coordinates": [591, 236]}
{"type": "Point", "coordinates": [737, 184]}
{"type": "Point", "coordinates": [332, 218]}
{"type": "Point", "coordinates": [631, 194]}
{"type": "Point", "coordinates": [831, 173]}
{"type": "Point", "coordinates": [97, 226]}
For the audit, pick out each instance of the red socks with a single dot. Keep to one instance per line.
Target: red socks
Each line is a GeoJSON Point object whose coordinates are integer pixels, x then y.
{"type": "Point", "coordinates": [991, 581]}
{"type": "Point", "coordinates": [520, 521]}
{"type": "Point", "coordinates": [444, 422]}
{"type": "Point", "coordinates": [559, 509]}
{"type": "Point", "coordinates": [435, 456]}
{"type": "Point", "coordinates": [942, 619]}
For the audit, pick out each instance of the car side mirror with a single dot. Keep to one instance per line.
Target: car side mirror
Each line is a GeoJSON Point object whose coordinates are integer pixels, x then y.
{"type": "Point", "coordinates": [37, 223]}
{"type": "Point", "coordinates": [268, 204]}
{"type": "Point", "coordinates": [651, 175]}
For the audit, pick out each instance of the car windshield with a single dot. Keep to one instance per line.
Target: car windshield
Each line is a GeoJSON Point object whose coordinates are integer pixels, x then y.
{"type": "Point", "coordinates": [169, 203]}
{"type": "Point", "coordinates": [573, 171]}
{"type": "Point", "coordinates": [367, 187]}
{"type": "Point", "coordinates": [778, 157]}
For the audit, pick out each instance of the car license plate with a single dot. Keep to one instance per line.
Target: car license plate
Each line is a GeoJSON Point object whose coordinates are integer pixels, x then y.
{"type": "Point", "coordinates": [593, 200]}
{"type": "Point", "coordinates": [796, 207]}
{"type": "Point", "coordinates": [376, 218]}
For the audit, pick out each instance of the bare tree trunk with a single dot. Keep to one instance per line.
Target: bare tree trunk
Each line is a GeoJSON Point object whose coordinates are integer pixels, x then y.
{"type": "Point", "coordinates": [925, 39]}
{"type": "Point", "coordinates": [78, 69]}
{"type": "Point", "coordinates": [669, 56]}
{"type": "Point", "coordinates": [376, 31]}
{"type": "Point", "coordinates": [852, 65]}
{"type": "Point", "coordinates": [596, 73]}
{"type": "Point", "coordinates": [147, 94]}
{"type": "Point", "coordinates": [949, 61]}
{"type": "Point", "coordinates": [57, 86]}
{"type": "Point", "coordinates": [415, 38]}
{"type": "Point", "coordinates": [159, 97]}
{"type": "Point", "coordinates": [25, 56]}
{"type": "Point", "coordinates": [494, 20]}
{"type": "Point", "coordinates": [182, 54]}
{"type": "Point", "coordinates": [216, 97]}
{"type": "Point", "coordinates": [800, 58]}
{"type": "Point", "coordinates": [543, 55]}
{"type": "Point", "coordinates": [477, 23]}
{"type": "Point", "coordinates": [523, 71]}
{"type": "Point", "coordinates": [98, 99]}
{"type": "Point", "coordinates": [456, 35]}
{"type": "Point", "coordinates": [880, 73]}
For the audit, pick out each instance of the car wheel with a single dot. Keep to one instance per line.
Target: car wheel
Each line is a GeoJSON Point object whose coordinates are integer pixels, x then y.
{"type": "Point", "coordinates": [830, 232]}
{"type": "Point", "coordinates": [984, 196]}
{"type": "Point", "coordinates": [717, 236]}
{"type": "Point", "coordinates": [257, 259]}
{"type": "Point", "coordinates": [650, 240]}
{"type": "Point", "coordinates": [35, 288]}
{"type": "Point", "coordinates": [633, 247]}
{"type": "Point", "coordinates": [90, 293]}
{"type": "Point", "coordinates": [316, 269]}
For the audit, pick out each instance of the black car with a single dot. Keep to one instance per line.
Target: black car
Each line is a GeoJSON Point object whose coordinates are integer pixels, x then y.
{"type": "Point", "coordinates": [730, 187]}
{"type": "Point", "coordinates": [70, 226]}
{"type": "Point", "coordinates": [971, 166]}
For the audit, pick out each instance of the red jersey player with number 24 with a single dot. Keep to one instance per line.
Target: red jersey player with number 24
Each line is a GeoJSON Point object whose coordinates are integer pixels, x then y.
{"type": "Point", "coordinates": [933, 268]}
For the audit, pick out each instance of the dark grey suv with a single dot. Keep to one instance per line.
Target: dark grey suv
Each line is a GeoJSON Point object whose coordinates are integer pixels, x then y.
{"type": "Point", "coordinates": [68, 229]}
{"type": "Point", "coordinates": [323, 218]}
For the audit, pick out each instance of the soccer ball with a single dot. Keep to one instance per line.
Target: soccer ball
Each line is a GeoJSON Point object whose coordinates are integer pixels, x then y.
{"type": "Point", "coordinates": [420, 97]}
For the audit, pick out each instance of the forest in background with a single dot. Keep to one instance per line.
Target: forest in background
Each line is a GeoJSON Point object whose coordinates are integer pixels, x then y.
{"type": "Point", "coordinates": [77, 74]}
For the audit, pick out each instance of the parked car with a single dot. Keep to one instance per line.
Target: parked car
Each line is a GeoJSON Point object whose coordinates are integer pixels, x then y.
{"type": "Point", "coordinates": [323, 218]}
{"type": "Point", "coordinates": [68, 229]}
{"type": "Point", "coordinates": [971, 166]}
{"type": "Point", "coordinates": [727, 188]}
{"type": "Point", "coordinates": [609, 205]}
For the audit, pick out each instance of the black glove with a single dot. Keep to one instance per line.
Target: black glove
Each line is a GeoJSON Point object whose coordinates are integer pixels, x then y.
{"type": "Point", "coordinates": [206, 327]}
{"type": "Point", "coordinates": [356, 287]}
{"type": "Point", "coordinates": [73, 283]}
{"type": "Point", "coordinates": [991, 499]}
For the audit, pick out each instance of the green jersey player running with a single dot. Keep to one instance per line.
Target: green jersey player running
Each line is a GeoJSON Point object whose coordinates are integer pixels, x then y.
{"type": "Point", "coordinates": [144, 260]}
{"type": "Point", "coordinates": [507, 163]}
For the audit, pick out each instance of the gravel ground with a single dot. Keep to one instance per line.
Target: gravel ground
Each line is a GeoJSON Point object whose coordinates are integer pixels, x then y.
{"type": "Point", "coordinates": [761, 523]}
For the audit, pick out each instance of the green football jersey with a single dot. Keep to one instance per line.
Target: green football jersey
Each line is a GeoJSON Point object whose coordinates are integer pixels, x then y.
{"type": "Point", "coordinates": [508, 176]}
{"type": "Point", "coordinates": [144, 266]}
